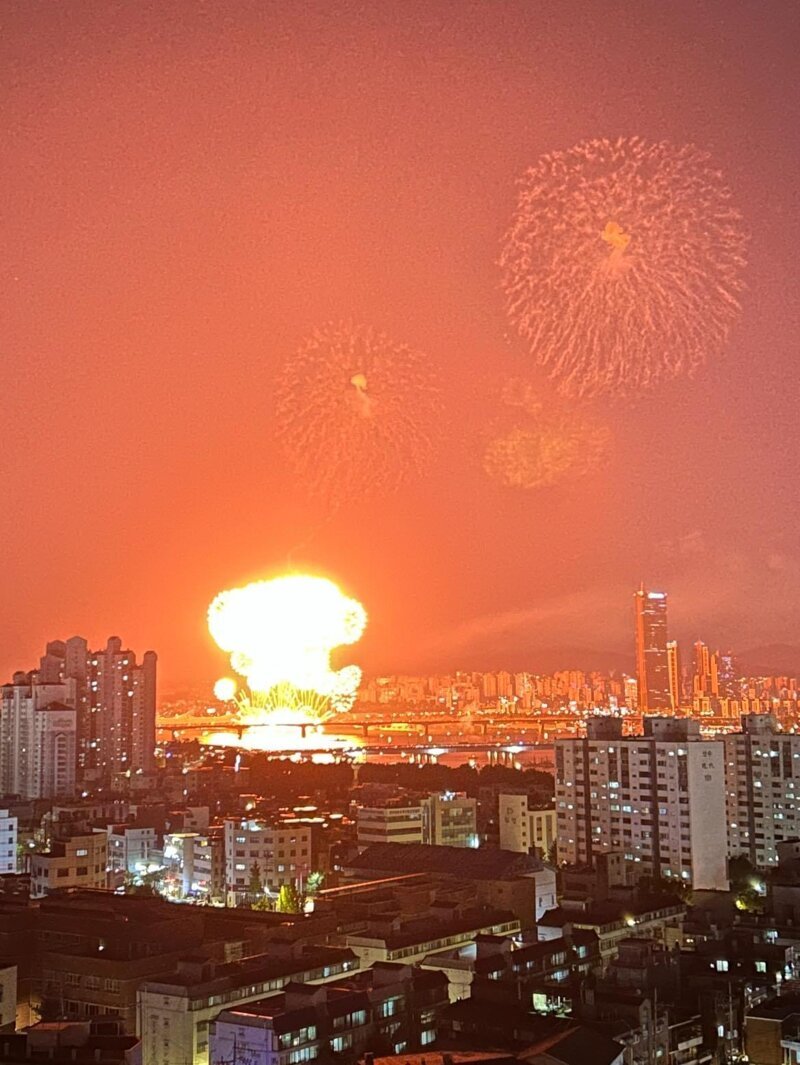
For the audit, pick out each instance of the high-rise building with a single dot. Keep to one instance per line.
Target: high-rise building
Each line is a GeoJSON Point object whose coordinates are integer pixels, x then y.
{"type": "Point", "coordinates": [658, 798]}
{"type": "Point", "coordinates": [37, 738]}
{"type": "Point", "coordinates": [652, 672]}
{"type": "Point", "coordinates": [763, 788]}
{"type": "Point", "coordinates": [114, 699]}
{"type": "Point", "coordinates": [675, 677]}
{"type": "Point", "coordinates": [706, 671]}
{"type": "Point", "coordinates": [118, 727]}
{"type": "Point", "coordinates": [726, 674]}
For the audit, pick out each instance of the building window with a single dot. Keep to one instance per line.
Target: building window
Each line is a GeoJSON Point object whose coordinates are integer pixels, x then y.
{"type": "Point", "coordinates": [303, 1054]}
{"type": "Point", "coordinates": [427, 1036]}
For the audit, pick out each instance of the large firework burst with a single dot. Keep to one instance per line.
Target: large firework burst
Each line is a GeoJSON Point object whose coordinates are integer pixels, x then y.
{"type": "Point", "coordinates": [623, 264]}
{"type": "Point", "coordinates": [357, 411]}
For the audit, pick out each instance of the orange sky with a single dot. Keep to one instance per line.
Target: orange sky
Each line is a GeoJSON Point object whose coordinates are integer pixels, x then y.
{"type": "Point", "coordinates": [189, 188]}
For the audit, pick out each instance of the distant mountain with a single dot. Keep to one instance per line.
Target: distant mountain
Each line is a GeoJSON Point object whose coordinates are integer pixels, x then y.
{"type": "Point", "coordinates": [774, 658]}
{"type": "Point", "coordinates": [590, 660]}
{"type": "Point", "coordinates": [534, 660]}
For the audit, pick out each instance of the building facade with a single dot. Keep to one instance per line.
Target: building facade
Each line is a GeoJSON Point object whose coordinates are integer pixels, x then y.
{"type": "Point", "coordinates": [8, 843]}
{"type": "Point", "coordinates": [275, 854]}
{"type": "Point", "coordinates": [392, 1006]}
{"type": "Point", "coordinates": [175, 1012]}
{"type": "Point", "coordinates": [659, 798]}
{"type": "Point", "coordinates": [118, 730]}
{"type": "Point", "coordinates": [525, 828]}
{"type": "Point", "coordinates": [446, 819]}
{"type": "Point", "coordinates": [78, 862]}
{"type": "Point", "coordinates": [762, 769]}
{"type": "Point", "coordinates": [37, 739]}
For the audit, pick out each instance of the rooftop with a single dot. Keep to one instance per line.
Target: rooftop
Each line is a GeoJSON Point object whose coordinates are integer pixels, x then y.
{"type": "Point", "coordinates": [203, 977]}
{"type": "Point", "coordinates": [483, 863]}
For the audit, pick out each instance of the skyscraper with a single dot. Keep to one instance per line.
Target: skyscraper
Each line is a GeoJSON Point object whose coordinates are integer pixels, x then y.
{"type": "Point", "coordinates": [674, 672]}
{"type": "Point", "coordinates": [652, 671]}
{"type": "Point", "coordinates": [37, 738]}
{"type": "Point", "coordinates": [112, 702]}
{"type": "Point", "coordinates": [119, 733]}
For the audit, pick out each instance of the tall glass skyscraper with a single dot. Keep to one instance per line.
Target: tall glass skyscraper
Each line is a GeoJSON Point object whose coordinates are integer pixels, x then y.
{"type": "Point", "coordinates": [652, 667]}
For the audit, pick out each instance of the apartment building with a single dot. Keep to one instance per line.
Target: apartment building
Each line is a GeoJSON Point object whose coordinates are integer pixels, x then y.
{"type": "Point", "coordinates": [274, 853]}
{"type": "Point", "coordinates": [659, 798]}
{"type": "Point", "coordinates": [37, 738]}
{"type": "Point", "coordinates": [762, 769]}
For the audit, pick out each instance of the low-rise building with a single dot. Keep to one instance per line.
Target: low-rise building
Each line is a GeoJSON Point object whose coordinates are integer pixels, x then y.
{"type": "Point", "coordinates": [133, 850]}
{"type": "Point", "coordinates": [772, 1032]}
{"type": "Point", "coordinates": [8, 997]}
{"type": "Point", "coordinates": [8, 843]}
{"type": "Point", "coordinates": [614, 922]}
{"type": "Point", "coordinates": [392, 1006]}
{"type": "Point", "coordinates": [70, 1043]}
{"type": "Point", "coordinates": [177, 1009]}
{"type": "Point", "coordinates": [525, 828]}
{"type": "Point", "coordinates": [95, 949]}
{"type": "Point", "coordinates": [535, 974]}
{"type": "Point", "coordinates": [446, 819]}
{"type": "Point", "coordinates": [273, 854]}
{"type": "Point", "coordinates": [411, 938]}
{"type": "Point", "coordinates": [74, 862]}
{"type": "Point", "coordinates": [503, 880]}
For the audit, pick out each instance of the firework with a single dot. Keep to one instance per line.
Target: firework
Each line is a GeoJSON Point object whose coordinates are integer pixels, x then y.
{"type": "Point", "coordinates": [623, 264]}
{"type": "Point", "coordinates": [537, 457]}
{"type": "Point", "coordinates": [542, 442]}
{"type": "Point", "coordinates": [225, 689]}
{"type": "Point", "coordinates": [280, 634]}
{"type": "Point", "coordinates": [356, 411]}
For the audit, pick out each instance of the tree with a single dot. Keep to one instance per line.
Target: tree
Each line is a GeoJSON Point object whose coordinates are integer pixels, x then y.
{"type": "Point", "coordinates": [255, 888]}
{"type": "Point", "coordinates": [740, 871]}
{"type": "Point", "coordinates": [263, 905]}
{"type": "Point", "coordinates": [658, 887]}
{"type": "Point", "coordinates": [314, 882]}
{"type": "Point", "coordinates": [288, 900]}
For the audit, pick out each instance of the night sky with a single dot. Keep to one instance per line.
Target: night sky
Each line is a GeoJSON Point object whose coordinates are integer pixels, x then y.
{"type": "Point", "coordinates": [189, 188]}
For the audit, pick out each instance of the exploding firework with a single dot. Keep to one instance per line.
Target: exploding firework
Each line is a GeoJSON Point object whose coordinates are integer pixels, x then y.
{"type": "Point", "coordinates": [623, 264]}
{"type": "Point", "coordinates": [543, 443]}
{"type": "Point", "coordinates": [356, 412]}
{"type": "Point", "coordinates": [280, 634]}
